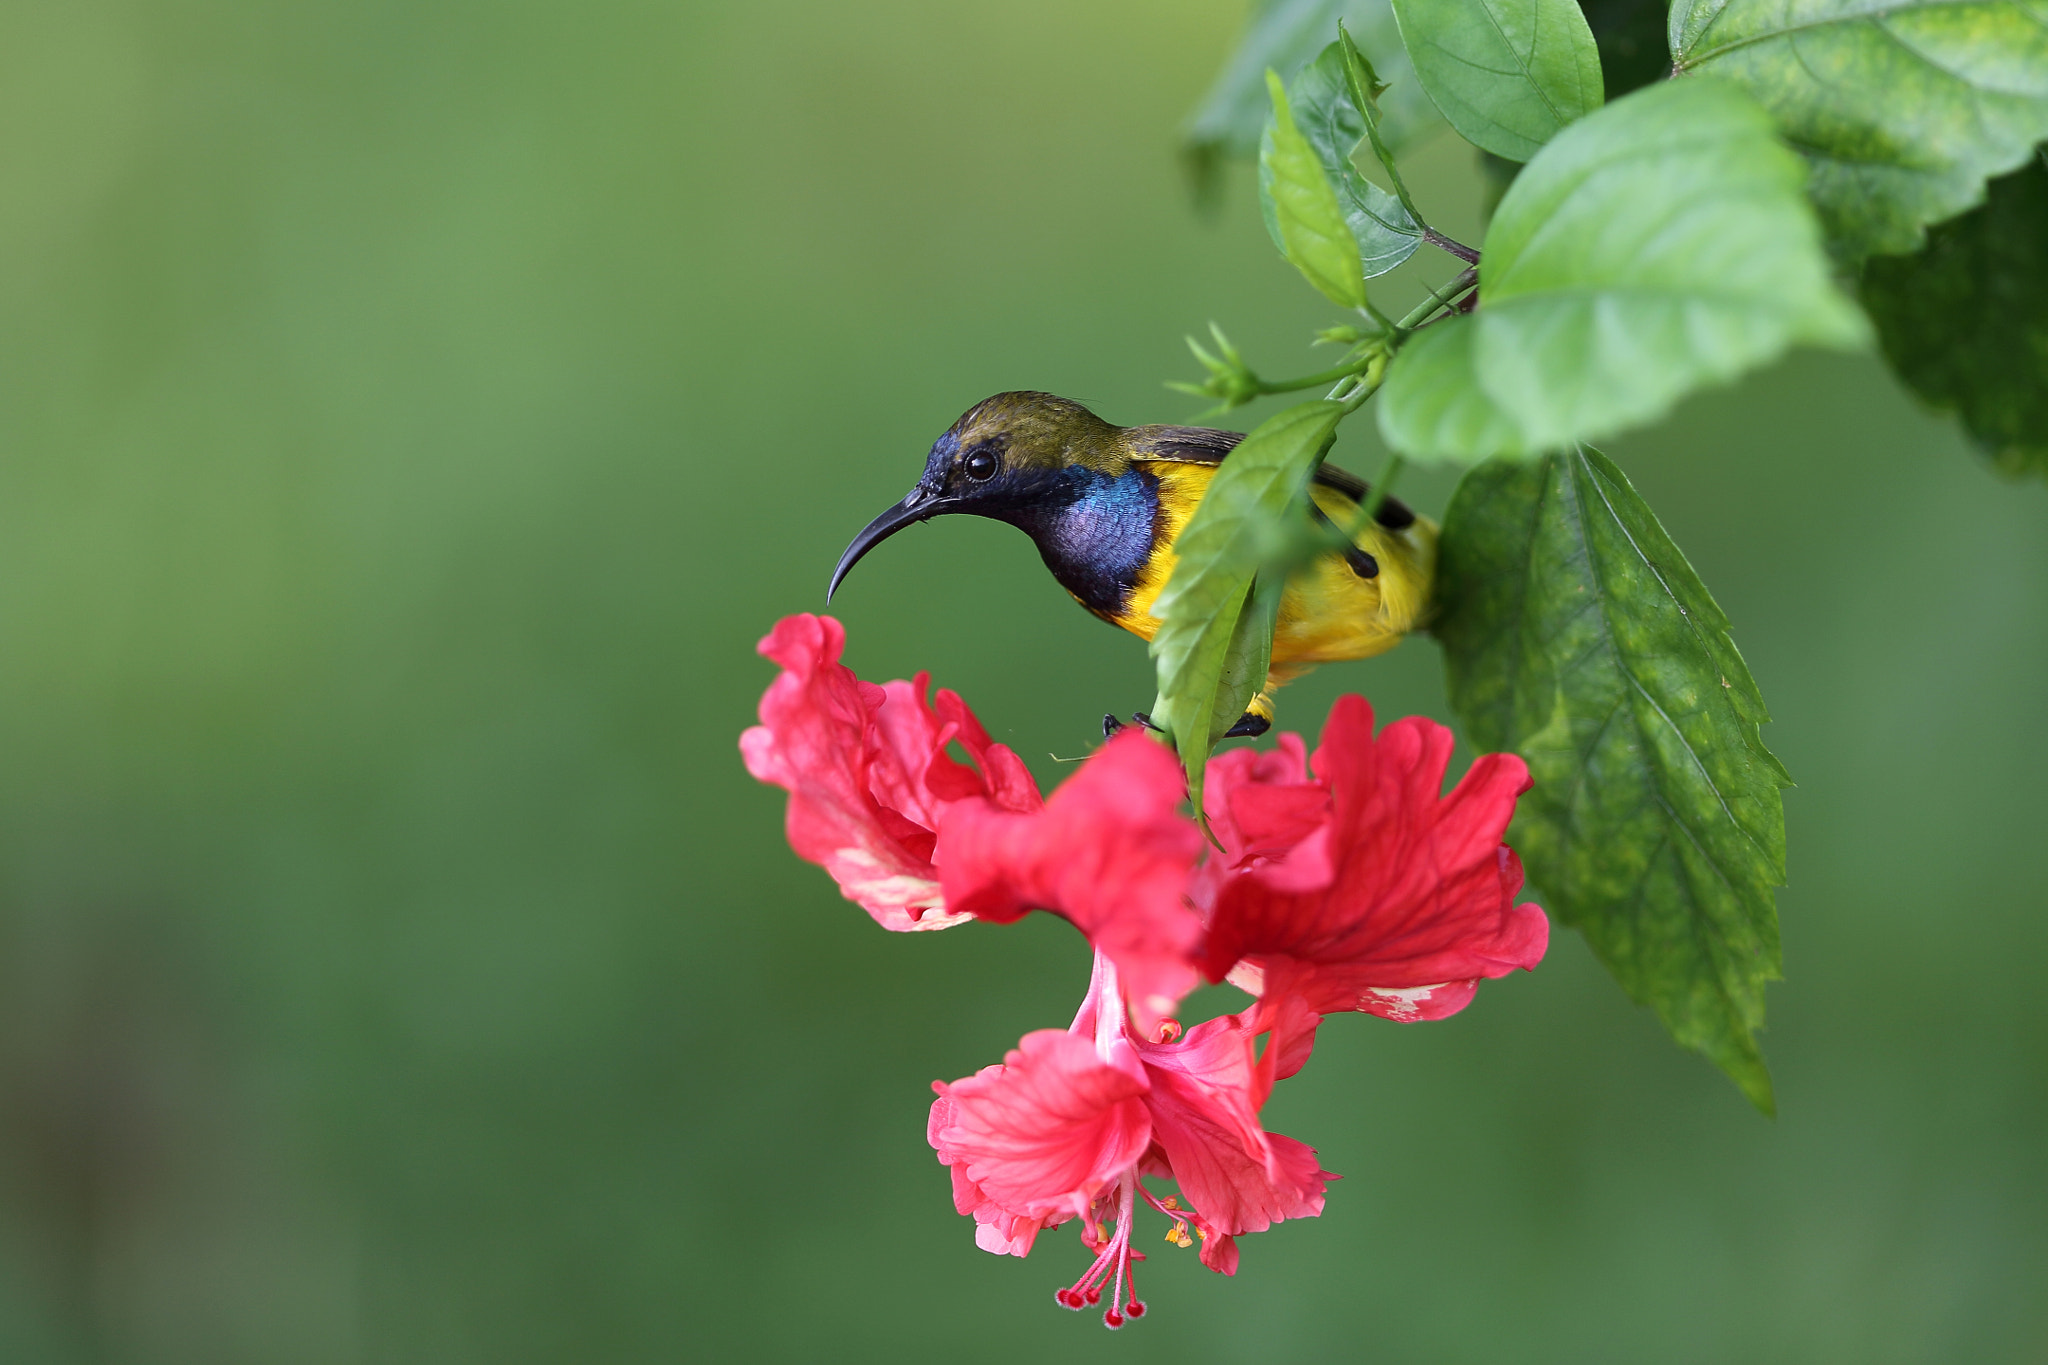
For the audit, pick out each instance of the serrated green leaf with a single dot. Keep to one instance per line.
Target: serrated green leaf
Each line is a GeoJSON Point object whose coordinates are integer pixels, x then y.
{"type": "Point", "coordinates": [1206, 666]}
{"type": "Point", "coordinates": [1965, 321]}
{"type": "Point", "coordinates": [1654, 247]}
{"type": "Point", "coordinates": [1576, 635]}
{"type": "Point", "coordinates": [1329, 119]}
{"type": "Point", "coordinates": [1285, 35]}
{"type": "Point", "coordinates": [1904, 108]}
{"type": "Point", "coordinates": [1301, 210]}
{"type": "Point", "coordinates": [1505, 73]}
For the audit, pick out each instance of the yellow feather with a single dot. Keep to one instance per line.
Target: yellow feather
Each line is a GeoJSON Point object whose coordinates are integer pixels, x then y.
{"type": "Point", "coordinates": [1329, 613]}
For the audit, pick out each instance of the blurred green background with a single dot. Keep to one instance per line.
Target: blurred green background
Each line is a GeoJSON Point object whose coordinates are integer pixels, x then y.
{"type": "Point", "coordinates": [410, 416]}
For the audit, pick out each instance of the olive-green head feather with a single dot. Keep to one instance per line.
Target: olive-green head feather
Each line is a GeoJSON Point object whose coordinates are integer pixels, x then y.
{"type": "Point", "coordinates": [1016, 457]}
{"type": "Point", "coordinates": [1025, 432]}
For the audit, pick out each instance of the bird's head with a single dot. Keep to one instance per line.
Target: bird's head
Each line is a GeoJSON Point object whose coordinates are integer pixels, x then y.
{"type": "Point", "coordinates": [1012, 457]}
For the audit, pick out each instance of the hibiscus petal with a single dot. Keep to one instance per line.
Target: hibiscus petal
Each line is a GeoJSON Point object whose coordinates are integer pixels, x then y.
{"type": "Point", "coordinates": [1038, 1136]}
{"type": "Point", "coordinates": [1220, 1254]}
{"type": "Point", "coordinates": [1261, 802]}
{"type": "Point", "coordinates": [1109, 852]}
{"type": "Point", "coordinates": [1010, 784]}
{"type": "Point", "coordinates": [1204, 1107]}
{"type": "Point", "coordinates": [1402, 898]}
{"type": "Point", "coordinates": [867, 772]}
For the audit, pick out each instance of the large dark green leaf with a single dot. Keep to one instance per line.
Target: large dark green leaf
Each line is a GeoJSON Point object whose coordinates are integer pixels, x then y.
{"type": "Point", "coordinates": [1285, 35]}
{"type": "Point", "coordinates": [1209, 667]}
{"type": "Point", "coordinates": [1331, 122]}
{"type": "Point", "coordinates": [1301, 208]}
{"type": "Point", "coordinates": [1654, 247]}
{"type": "Point", "coordinates": [1506, 73]}
{"type": "Point", "coordinates": [1904, 108]}
{"type": "Point", "coordinates": [1965, 321]}
{"type": "Point", "coordinates": [1576, 635]}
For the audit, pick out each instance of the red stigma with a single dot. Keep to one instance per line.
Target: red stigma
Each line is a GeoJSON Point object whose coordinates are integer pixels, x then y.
{"type": "Point", "coordinates": [1112, 1319]}
{"type": "Point", "coordinates": [1136, 1309]}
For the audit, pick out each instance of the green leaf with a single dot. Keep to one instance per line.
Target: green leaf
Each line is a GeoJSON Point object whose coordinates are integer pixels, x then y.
{"type": "Point", "coordinates": [1904, 109]}
{"type": "Point", "coordinates": [1576, 635]}
{"type": "Point", "coordinates": [1506, 73]}
{"type": "Point", "coordinates": [1366, 89]}
{"type": "Point", "coordinates": [1209, 668]}
{"type": "Point", "coordinates": [1654, 247]}
{"type": "Point", "coordinates": [1328, 117]}
{"type": "Point", "coordinates": [1965, 322]}
{"type": "Point", "coordinates": [1302, 213]}
{"type": "Point", "coordinates": [1248, 657]}
{"type": "Point", "coordinates": [1285, 35]}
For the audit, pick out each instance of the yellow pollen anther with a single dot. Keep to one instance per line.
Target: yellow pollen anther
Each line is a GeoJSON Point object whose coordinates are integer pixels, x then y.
{"type": "Point", "coordinates": [1202, 1233]}
{"type": "Point", "coordinates": [1169, 1202]}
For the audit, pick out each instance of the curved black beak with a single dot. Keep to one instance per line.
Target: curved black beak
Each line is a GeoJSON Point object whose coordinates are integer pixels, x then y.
{"type": "Point", "coordinates": [918, 506]}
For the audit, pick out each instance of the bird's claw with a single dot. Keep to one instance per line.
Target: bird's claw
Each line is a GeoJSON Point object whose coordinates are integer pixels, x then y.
{"type": "Point", "coordinates": [1250, 725]}
{"type": "Point", "coordinates": [1112, 727]}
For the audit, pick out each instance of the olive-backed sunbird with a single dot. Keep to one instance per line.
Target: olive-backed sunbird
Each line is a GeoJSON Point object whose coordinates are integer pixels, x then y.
{"type": "Point", "coordinates": [1104, 504]}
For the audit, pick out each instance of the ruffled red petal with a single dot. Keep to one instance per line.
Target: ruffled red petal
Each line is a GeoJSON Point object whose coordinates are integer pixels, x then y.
{"type": "Point", "coordinates": [1035, 1138]}
{"type": "Point", "coordinates": [1109, 852]}
{"type": "Point", "coordinates": [868, 774]}
{"type": "Point", "coordinates": [1204, 1103]}
{"type": "Point", "coordinates": [1399, 900]}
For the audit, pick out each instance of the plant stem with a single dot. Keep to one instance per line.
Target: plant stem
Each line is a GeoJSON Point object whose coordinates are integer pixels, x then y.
{"type": "Point", "coordinates": [1456, 248]}
{"type": "Point", "coordinates": [1314, 380]}
{"type": "Point", "coordinates": [1465, 280]}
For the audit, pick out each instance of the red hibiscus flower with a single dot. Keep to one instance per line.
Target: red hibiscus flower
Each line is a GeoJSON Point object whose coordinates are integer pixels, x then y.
{"type": "Point", "coordinates": [1364, 888]}
{"type": "Point", "coordinates": [868, 774]}
{"type": "Point", "coordinates": [1070, 1124]}
{"type": "Point", "coordinates": [1348, 883]}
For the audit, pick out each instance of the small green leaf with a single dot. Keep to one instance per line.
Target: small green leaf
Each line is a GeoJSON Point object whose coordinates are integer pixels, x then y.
{"type": "Point", "coordinates": [1202, 656]}
{"type": "Point", "coordinates": [1904, 108]}
{"type": "Point", "coordinates": [1285, 35]}
{"type": "Point", "coordinates": [1327, 115]}
{"type": "Point", "coordinates": [1302, 213]}
{"type": "Point", "coordinates": [1654, 247]}
{"type": "Point", "coordinates": [1965, 322]}
{"type": "Point", "coordinates": [1506, 73]}
{"type": "Point", "coordinates": [1366, 88]}
{"type": "Point", "coordinates": [1207, 667]}
{"type": "Point", "coordinates": [1576, 635]}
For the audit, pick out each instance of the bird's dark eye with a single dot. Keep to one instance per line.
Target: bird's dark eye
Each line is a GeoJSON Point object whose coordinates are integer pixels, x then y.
{"type": "Point", "coordinates": [980, 465]}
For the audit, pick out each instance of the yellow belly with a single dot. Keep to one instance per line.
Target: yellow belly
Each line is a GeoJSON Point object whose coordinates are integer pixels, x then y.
{"type": "Point", "coordinates": [1329, 613]}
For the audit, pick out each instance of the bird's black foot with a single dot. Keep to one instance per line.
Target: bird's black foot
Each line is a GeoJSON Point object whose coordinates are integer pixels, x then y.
{"type": "Point", "coordinates": [1112, 727]}
{"type": "Point", "coordinates": [1250, 725]}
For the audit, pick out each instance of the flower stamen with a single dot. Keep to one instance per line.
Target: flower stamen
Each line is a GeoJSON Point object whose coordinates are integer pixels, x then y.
{"type": "Point", "coordinates": [1113, 1260]}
